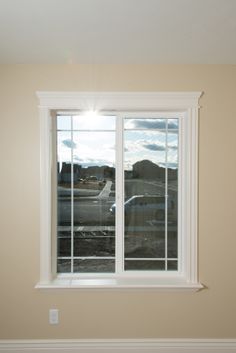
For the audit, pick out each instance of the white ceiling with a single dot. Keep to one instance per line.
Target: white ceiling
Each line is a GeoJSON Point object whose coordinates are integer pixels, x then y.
{"type": "Point", "coordinates": [118, 31]}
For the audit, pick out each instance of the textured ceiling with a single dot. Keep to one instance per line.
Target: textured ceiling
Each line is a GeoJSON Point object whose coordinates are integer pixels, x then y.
{"type": "Point", "coordinates": [118, 31]}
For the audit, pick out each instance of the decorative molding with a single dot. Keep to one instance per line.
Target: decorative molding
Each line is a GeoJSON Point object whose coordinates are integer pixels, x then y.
{"type": "Point", "coordinates": [120, 345]}
{"type": "Point", "coordinates": [119, 100]}
{"type": "Point", "coordinates": [45, 195]}
{"type": "Point", "coordinates": [157, 284]}
{"type": "Point", "coordinates": [186, 104]}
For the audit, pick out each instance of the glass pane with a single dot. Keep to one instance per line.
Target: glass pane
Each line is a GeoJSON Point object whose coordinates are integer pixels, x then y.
{"type": "Point", "coordinates": [94, 194]}
{"type": "Point", "coordinates": [94, 179]}
{"type": "Point", "coordinates": [172, 160]}
{"type": "Point", "coordinates": [63, 242]}
{"type": "Point", "coordinates": [141, 244]}
{"type": "Point", "coordinates": [172, 265]}
{"type": "Point", "coordinates": [94, 243]}
{"type": "Point", "coordinates": [145, 156]}
{"type": "Point", "coordinates": [93, 122]}
{"type": "Point", "coordinates": [172, 235]}
{"type": "Point", "coordinates": [63, 200]}
{"type": "Point", "coordinates": [151, 186]}
{"type": "Point", "coordinates": [63, 122]}
{"type": "Point", "coordinates": [64, 178]}
{"type": "Point", "coordinates": [141, 265]}
{"type": "Point", "coordinates": [63, 265]}
{"type": "Point", "coordinates": [145, 202]}
{"type": "Point", "coordinates": [173, 124]}
{"type": "Point", "coordinates": [150, 124]}
{"type": "Point", "coordinates": [94, 265]}
{"type": "Point", "coordinates": [86, 192]}
{"type": "Point", "coordinates": [172, 155]}
{"type": "Point", "coordinates": [144, 124]}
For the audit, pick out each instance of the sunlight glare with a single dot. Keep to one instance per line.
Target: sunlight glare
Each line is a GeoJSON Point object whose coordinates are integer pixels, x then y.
{"type": "Point", "coordinates": [91, 114]}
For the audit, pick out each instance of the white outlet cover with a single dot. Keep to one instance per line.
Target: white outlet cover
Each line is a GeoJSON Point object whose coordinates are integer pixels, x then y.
{"type": "Point", "coordinates": [53, 316]}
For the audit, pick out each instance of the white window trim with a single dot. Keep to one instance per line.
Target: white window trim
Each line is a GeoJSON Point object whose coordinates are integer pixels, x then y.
{"type": "Point", "coordinates": [186, 103]}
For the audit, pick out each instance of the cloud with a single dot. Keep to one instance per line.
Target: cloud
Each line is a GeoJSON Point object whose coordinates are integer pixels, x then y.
{"type": "Point", "coordinates": [91, 162]}
{"type": "Point", "coordinates": [142, 145]}
{"type": "Point", "coordinates": [172, 124]}
{"type": "Point", "coordinates": [153, 147]}
{"type": "Point", "coordinates": [171, 165]}
{"type": "Point", "coordinates": [173, 147]}
{"type": "Point", "coordinates": [69, 143]}
{"type": "Point", "coordinates": [151, 124]}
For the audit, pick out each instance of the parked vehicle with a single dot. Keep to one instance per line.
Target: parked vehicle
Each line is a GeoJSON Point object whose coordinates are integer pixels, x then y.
{"type": "Point", "coordinates": [92, 178]}
{"type": "Point", "coordinates": [151, 206]}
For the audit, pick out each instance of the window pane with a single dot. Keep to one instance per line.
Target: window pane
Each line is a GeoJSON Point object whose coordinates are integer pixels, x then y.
{"type": "Point", "coordinates": [144, 124]}
{"type": "Point", "coordinates": [64, 196]}
{"type": "Point", "coordinates": [63, 122]}
{"type": "Point", "coordinates": [148, 242]}
{"type": "Point", "coordinates": [172, 238]}
{"type": "Point", "coordinates": [150, 209]}
{"type": "Point", "coordinates": [63, 242]}
{"type": "Point", "coordinates": [173, 124]}
{"type": "Point", "coordinates": [63, 199]}
{"type": "Point", "coordinates": [150, 124]}
{"type": "Point", "coordinates": [172, 265]}
{"type": "Point", "coordinates": [94, 242]}
{"type": "Point", "coordinates": [144, 208]}
{"type": "Point", "coordinates": [172, 160]}
{"type": "Point", "coordinates": [93, 122]}
{"type": "Point", "coordinates": [63, 265]}
{"type": "Point", "coordinates": [141, 265]}
{"type": "Point", "coordinates": [94, 265]}
{"type": "Point", "coordinates": [86, 192]}
{"type": "Point", "coordinates": [172, 156]}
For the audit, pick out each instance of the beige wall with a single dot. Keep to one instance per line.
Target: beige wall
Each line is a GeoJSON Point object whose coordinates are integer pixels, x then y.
{"type": "Point", "coordinates": [117, 314]}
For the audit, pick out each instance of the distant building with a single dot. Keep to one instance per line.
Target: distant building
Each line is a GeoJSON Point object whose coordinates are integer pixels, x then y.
{"type": "Point", "coordinates": [146, 169]}
{"type": "Point", "coordinates": [64, 176]}
{"type": "Point", "coordinates": [100, 172]}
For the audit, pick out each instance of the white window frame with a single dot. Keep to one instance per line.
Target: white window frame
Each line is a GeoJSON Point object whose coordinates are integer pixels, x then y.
{"type": "Point", "coordinates": [185, 104]}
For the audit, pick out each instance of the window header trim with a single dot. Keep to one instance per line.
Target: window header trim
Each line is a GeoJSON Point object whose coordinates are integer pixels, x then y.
{"type": "Point", "coordinates": [167, 102]}
{"type": "Point", "coordinates": [119, 100]}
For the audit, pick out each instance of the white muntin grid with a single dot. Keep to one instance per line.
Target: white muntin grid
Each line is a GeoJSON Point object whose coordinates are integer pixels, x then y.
{"type": "Point", "coordinates": [119, 224]}
{"type": "Point", "coordinates": [72, 227]}
{"type": "Point", "coordinates": [163, 116]}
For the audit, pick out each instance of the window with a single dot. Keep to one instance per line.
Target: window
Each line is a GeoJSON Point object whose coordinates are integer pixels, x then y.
{"type": "Point", "coordinates": [119, 190]}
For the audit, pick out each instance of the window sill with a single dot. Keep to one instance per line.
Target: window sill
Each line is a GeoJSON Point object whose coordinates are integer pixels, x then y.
{"type": "Point", "coordinates": [176, 284]}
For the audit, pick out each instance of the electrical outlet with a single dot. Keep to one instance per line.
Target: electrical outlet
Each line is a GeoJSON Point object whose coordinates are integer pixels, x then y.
{"type": "Point", "coordinates": [53, 316]}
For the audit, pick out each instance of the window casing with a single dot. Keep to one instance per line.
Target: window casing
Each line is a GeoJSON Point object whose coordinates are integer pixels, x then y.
{"type": "Point", "coordinates": [176, 272]}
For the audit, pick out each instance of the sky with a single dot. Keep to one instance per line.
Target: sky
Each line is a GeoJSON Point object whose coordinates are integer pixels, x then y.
{"type": "Point", "coordinates": [92, 141]}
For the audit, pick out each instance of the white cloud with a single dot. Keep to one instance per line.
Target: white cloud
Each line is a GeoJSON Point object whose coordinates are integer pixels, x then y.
{"type": "Point", "coordinates": [153, 124]}
{"type": "Point", "coordinates": [69, 143]}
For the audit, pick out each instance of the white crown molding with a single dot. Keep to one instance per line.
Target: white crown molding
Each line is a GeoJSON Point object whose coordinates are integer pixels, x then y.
{"type": "Point", "coordinates": [120, 345]}
{"type": "Point", "coordinates": [118, 100]}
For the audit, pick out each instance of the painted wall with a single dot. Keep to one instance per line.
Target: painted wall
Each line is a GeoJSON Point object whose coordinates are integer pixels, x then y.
{"type": "Point", "coordinates": [210, 313]}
